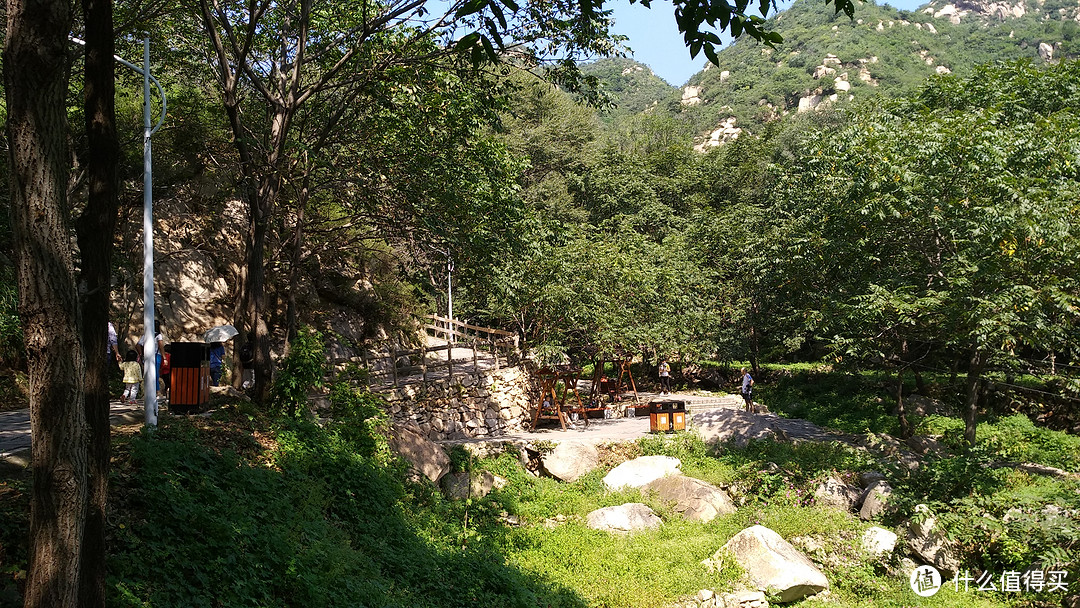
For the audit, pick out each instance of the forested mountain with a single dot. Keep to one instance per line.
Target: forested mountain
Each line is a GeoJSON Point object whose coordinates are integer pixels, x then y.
{"type": "Point", "coordinates": [827, 58]}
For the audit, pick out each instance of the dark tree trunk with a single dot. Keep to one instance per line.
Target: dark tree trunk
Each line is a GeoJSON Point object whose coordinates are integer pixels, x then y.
{"type": "Point", "coordinates": [901, 412]}
{"type": "Point", "coordinates": [971, 409]}
{"type": "Point", "coordinates": [36, 81]}
{"type": "Point", "coordinates": [96, 228]}
{"type": "Point", "coordinates": [920, 383]}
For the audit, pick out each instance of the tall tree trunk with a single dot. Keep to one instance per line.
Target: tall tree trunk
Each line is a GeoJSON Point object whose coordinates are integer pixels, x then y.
{"type": "Point", "coordinates": [36, 80]}
{"type": "Point", "coordinates": [96, 228]}
{"type": "Point", "coordinates": [976, 365]}
{"type": "Point", "coordinates": [255, 296]}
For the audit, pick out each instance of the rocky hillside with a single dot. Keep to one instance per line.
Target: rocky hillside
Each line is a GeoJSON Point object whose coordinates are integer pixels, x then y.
{"type": "Point", "coordinates": [828, 59]}
{"type": "Point", "coordinates": [631, 86]}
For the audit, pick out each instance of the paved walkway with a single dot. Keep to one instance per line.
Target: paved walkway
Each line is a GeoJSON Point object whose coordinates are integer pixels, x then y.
{"type": "Point", "coordinates": [15, 430]}
{"type": "Point", "coordinates": [601, 430]}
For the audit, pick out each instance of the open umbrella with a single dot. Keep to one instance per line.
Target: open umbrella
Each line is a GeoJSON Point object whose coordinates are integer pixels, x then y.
{"type": "Point", "coordinates": [220, 333]}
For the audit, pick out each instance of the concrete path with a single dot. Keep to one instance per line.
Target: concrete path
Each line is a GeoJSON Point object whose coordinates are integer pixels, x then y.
{"type": "Point", "coordinates": [15, 430]}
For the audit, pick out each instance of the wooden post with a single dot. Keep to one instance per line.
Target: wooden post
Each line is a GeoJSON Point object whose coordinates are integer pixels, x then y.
{"type": "Point", "coordinates": [495, 352]}
{"type": "Point", "coordinates": [475, 367]}
{"type": "Point", "coordinates": [423, 365]}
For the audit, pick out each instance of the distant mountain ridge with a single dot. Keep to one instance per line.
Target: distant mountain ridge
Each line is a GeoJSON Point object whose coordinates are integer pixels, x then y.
{"type": "Point", "coordinates": [828, 59]}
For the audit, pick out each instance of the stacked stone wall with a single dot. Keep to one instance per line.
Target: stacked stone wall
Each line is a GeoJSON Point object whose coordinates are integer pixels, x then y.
{"type": "Point", "coordinates": [490, 404]}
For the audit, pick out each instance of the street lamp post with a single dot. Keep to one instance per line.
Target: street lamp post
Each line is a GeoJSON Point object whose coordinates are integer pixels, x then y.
{"type": "Point", "coordinates": [150, 379]}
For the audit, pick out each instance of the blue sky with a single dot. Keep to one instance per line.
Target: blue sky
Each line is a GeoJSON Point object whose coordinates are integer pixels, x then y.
{"type": "Point", "coordinates": [656, 40]}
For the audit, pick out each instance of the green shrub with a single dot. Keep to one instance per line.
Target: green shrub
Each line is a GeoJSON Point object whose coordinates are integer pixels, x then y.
{"type": "Point", "coordinates": [301, 371]}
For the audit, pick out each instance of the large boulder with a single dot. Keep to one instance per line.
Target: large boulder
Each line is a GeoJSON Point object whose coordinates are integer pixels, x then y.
{"type": "Point", "coordinates": [624, 519]}
{"type": "Point", "coordinates": [570, 460]}
{"type": "Point", "coordinates": [833, 492]}
{"type": "Point", "coordinates": [927, 541]}
{"type": "Point", "coordinates": [426, 457]}
{"type": "Point", "coordinates": [774, 565]}
{"type": "Point", "coordinates": [875, 499]}
{"type": "Point", "coordinates": [640, 471]}
{"type": "Point", "coordinates": [696, 500]}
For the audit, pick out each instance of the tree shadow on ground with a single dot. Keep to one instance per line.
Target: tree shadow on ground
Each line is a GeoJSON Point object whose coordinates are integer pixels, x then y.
{"type": "Point", "coordinates": [306, 521]}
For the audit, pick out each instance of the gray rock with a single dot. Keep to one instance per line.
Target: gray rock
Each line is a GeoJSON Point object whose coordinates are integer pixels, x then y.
{"type": "Point", "coordinates": [459, 486]}
{"type": "Point", "coordinates": [774, 565]}
{"type": "Point", "coordinates": [570, 460]}
{"type": "Point", "coordinates": [867, 478]}
{"type": "Point", "coordinates": [696, 500]}
{"type": "Point", "coordinates": [623, 519]}
{"type": "Point", "coordinates": [927, 541]}
{"type": "Point", "coordinates": [833, 492]}
{"type": "Point", "coordinates": [425, 456]}
{"type": "Point", "coordinates": [743, 599]}
{"type": "Point", "coordinates": [875, 500]}
{"type": "Point", "coordinates": [640, 471]}
{"type": "Point", "coordinates": [922, 444]}
{"type": "Point", "coordinates": [878, 541]}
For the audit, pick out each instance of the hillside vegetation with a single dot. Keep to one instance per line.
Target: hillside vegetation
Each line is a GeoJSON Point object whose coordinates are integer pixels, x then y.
{"type": "Point", "coordinates": [883, 53]}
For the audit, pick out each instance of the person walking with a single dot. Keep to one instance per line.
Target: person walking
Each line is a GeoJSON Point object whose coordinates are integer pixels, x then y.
{"type": "Point", "coordinates": [132, 377]}
{"type": "Point", "coordinates": [217, 360]}
{"type": "Point", "coordinates": [747, 388]}
{"type": "Point", "coordinates": [665, 378]}
{"type": "Point", "coordinates": [166, 369]}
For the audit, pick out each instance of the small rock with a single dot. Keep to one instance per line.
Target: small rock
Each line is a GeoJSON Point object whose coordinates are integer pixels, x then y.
{"type": "Point", "coordinates": [867, 478]}
{"type": "Point", "coordinates": [623, 519]}
{"type": "Point", "coordinates": [878, 541]}
{"type": "Point", "coordinates": [705, 595]}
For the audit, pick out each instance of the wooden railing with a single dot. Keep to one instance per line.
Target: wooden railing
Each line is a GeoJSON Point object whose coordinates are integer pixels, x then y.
{"type": "Point", "coordinates": [486, 348]}
{"type": "Point", "coordinates": [453, 330]}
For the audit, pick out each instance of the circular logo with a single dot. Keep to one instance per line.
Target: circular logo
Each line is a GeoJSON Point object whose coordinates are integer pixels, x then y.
{"type": "Point", "coordinates": [925, 581]}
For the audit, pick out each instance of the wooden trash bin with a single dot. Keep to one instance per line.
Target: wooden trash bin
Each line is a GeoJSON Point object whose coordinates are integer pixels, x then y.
{"type": "Point", "coordinates": [189, 391]}
{"type": "Point", "coordinates": [667, 416]}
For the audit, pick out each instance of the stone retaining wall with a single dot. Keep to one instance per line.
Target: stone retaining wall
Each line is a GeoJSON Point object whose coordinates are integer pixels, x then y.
{"type": "Point", "coordinates": [491, 404]}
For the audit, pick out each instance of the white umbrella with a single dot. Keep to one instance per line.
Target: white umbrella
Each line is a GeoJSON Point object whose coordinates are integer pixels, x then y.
{"type": "Point", "coordinates": [220, 333]}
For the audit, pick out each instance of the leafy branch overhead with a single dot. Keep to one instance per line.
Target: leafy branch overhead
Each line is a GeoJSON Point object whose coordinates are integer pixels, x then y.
{"type": "Point", "coordinates": [585, 25]}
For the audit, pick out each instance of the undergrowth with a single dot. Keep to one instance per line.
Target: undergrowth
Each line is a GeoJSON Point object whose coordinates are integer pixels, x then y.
{"type": "Point", "coordinates": [253, 509]}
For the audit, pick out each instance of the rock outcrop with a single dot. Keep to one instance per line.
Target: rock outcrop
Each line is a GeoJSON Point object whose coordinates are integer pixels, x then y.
{"type": "Point", "coordinates": [695, 499]}
{"type": "Point", "coordinates": [774, 564]}
{"type": "Point", "coordinates": [570, 460]}
{"type": "Point", "coordinates": [425, 457]}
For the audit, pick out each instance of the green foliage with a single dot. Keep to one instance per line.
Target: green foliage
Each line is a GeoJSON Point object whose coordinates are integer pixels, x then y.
{"type": "Point", "coordinates": [301, 371]}
{"type": "Point", "coordinates": [12, 345]}
{"type": "Point", "coordinates": [855, 403]}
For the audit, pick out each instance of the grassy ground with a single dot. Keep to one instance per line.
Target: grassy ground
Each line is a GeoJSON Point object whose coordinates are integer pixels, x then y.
{"type": "Point", "coordinates": [244, 509]}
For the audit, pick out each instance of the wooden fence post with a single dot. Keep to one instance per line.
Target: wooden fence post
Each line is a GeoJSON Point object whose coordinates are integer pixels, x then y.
{"type": "Point", "coordinates": [450, 362]}
{"type": "Point", "coordinates": [423, 364]}
{"type": "Point", "coordinates": [475, 367]}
